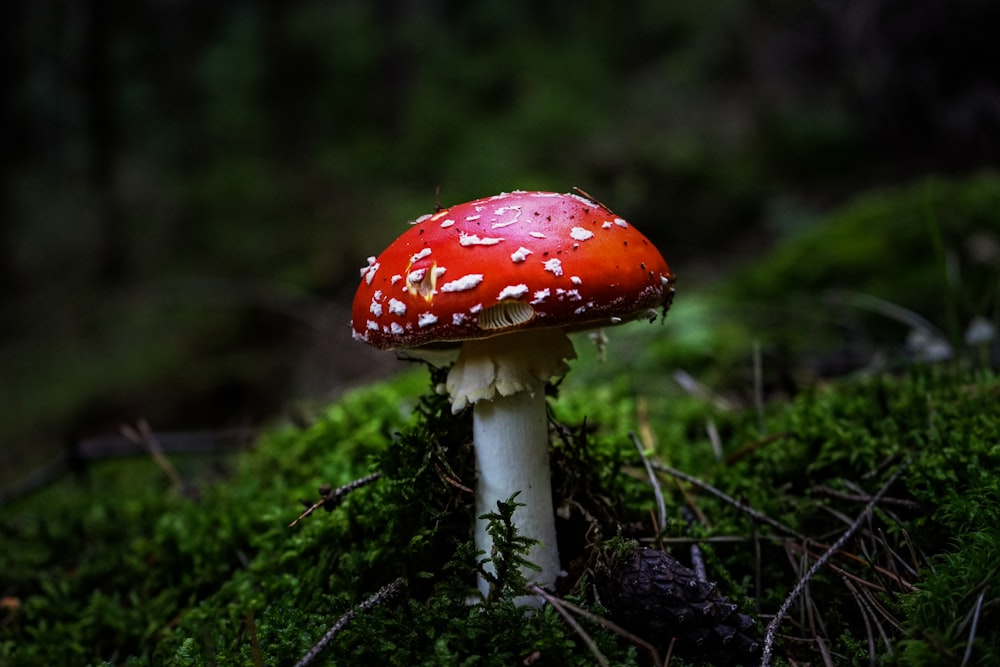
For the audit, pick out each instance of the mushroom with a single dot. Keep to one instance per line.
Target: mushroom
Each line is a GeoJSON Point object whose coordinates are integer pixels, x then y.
{"type": "Point", "coordinates": [503, 279]}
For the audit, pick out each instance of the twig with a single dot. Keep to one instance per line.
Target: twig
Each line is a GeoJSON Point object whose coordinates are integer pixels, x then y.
{"type": "Point", "coordinates": [758, 388]}
{"type": "Point", "coordinates": [698, 563]}
{"type": "Point", "coordinates": [694, 388]}
{"type": "Point", "coordinates": [331, 499]}
{"type": "Point", "coordinates": [661, 506]}
{"type": "Point", "coordinates": [972, 631]}
{"type": "Point", "coordinates": [727, 499]}
{"type": "Point", "coordinates": [772, 627]}
{"type": "Point", "coordinates": [867, 617]}
{"type": "Point", "coordinates": [143, 435]}
{"type": "Point", "coordinates": [713, 437]}
{"type": "Point", "coordinates": [878, 569]}
{"type": "Point", "coordinates": [863, 498]}
{"type": "Point", "coordinates": [374, 600]}
{"type": "Point", "coordinates": [557, 602]}
{"type": "Point", "coordinates": [572, 622]}
{"type": "Point", "coordinates": [258, 659]}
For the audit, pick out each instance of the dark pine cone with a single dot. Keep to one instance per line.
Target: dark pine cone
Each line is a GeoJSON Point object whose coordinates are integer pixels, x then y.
{"type": "Point", "coordinates": [652, 595]}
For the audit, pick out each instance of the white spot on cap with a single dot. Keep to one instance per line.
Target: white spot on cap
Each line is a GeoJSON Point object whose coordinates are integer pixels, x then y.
{"type": "Point", "coordinates": [416, 276]}
{"type": "Point", "coordinates": [537, 235]}
{"type": "Point", "coordinates": [395, 328]}
{"type": "Point", "coordinates": [541, 295]}
{"type": "Point", "coordinates": [376, 308]}
{"type": "Point", "coordinates": [554, 265]}
{"type": "Point", "coordinates": [580, 234]}
{"type": "Point", "coordinates": [370, 276]}
{"type": "Point", "coordinates": [575, 280]}
{"type": "Point", "coordinates": [466, 282]}
{"type": "Point", "coordinates": [473, 239]}
{"type": "Point", "coordinates": [426, 319]}
{"type": "Point", "coordinates": [395, 279]}
{"type": "Point", "coordinates": [365, 269]}
{"type": "Point", "coordinates": [621, 223]}
{"type": "Point", "coordinates": [420, 255]}
{"type": "Point", "coordinates": [476, 308]}
{"type": "Point", "coordinates": [458, 319]}
{"type": "Point", "coordinates": [373, 325]}
{"type": "Point", "coordinates": [507, 223]}
{"type": "Point", "coordinates": [520, 254]}
{"type": "Point", "coordinates": [512, 292]}
{"type": "Point", "coordinates": [439, 271]}
{"type": "Point", "coordinates": [472, 218]}
{"type": "Point", "coordinates": [447, 223]}
{"type": "Point", "coordinates": [423, 218]}
{"type": "Point", "coordinates": [397, 307]}
{"type": "Point", "coordinates": [607, 224]}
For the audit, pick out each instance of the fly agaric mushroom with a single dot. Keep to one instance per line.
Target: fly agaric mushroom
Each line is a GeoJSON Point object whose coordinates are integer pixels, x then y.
{"type": "Point", "coordinates": [503, 279]}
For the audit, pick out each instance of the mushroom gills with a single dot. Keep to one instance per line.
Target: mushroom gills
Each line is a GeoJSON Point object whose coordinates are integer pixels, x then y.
{"type": "Point", "coordinates": [505, 314]}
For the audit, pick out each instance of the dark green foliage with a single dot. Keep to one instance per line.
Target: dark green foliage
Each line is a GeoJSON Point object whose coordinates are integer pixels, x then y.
{"type": "Point", "coordinates": [929, 248]}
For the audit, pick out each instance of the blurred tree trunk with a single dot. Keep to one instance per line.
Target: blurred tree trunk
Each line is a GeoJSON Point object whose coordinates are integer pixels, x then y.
{"type": "Point", "coordinates": [103, 138]}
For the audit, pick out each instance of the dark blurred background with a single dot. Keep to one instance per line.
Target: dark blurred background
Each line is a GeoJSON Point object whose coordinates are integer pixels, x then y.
{"type": "Point", "coordinates": [189, 188]}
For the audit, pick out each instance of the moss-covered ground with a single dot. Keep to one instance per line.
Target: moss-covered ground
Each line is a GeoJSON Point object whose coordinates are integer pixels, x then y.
{"type": "Point", "coordinates": [772, 389]}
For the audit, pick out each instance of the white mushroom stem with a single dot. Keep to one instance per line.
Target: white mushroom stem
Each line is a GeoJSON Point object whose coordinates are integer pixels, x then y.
{"type": "Point", "coordinates": [505, 378]}
{"type": "Point", "coordinates": [511, 445]}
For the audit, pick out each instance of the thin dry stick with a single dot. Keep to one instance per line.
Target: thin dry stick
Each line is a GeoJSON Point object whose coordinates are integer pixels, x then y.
{"type": "Point", "coordinates": [972, 631]}
{"type": "Point", "coordinates": [566, 616]}
{"type": "Point", "coordinates": [380, 596]}
{"type": "Point", "coordinates": [727, 499]}
{"type": "Point", "coordinates": [143, 435]}
{"type": "Point", "coordinates": [864, 498]}
{"type": "Point", "coordinates": [817, 626]}
{"type": "Point", "coordinates": [600, 620]}
{"type": "Point", "coordinates": [758, 388]}
{"type": "Point", "coordinates": [330, 499]}
{"type": "Point", "coordinates": [902, 583]}
{"type": "Point", "coordinates": [258, 659]}
{"type": "Point", "coordinates": [865, 617]}
{"type": "Point", "coordinates": [772, 627]}
{"type": "Point", "coordinates": [713, 437]}
{"type": "Point", "coordinates": [661, 506]}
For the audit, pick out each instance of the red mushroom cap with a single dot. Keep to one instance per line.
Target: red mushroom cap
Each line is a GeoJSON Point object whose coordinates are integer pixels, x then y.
{"type": "Point", "coordinates": [515, 261]}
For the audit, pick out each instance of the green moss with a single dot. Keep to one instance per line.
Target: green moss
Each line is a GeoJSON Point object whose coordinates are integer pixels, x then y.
{"type": "Point", "coordinates": [171, 580]}
{"type": "Point", "coordinates": [118, 566]}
